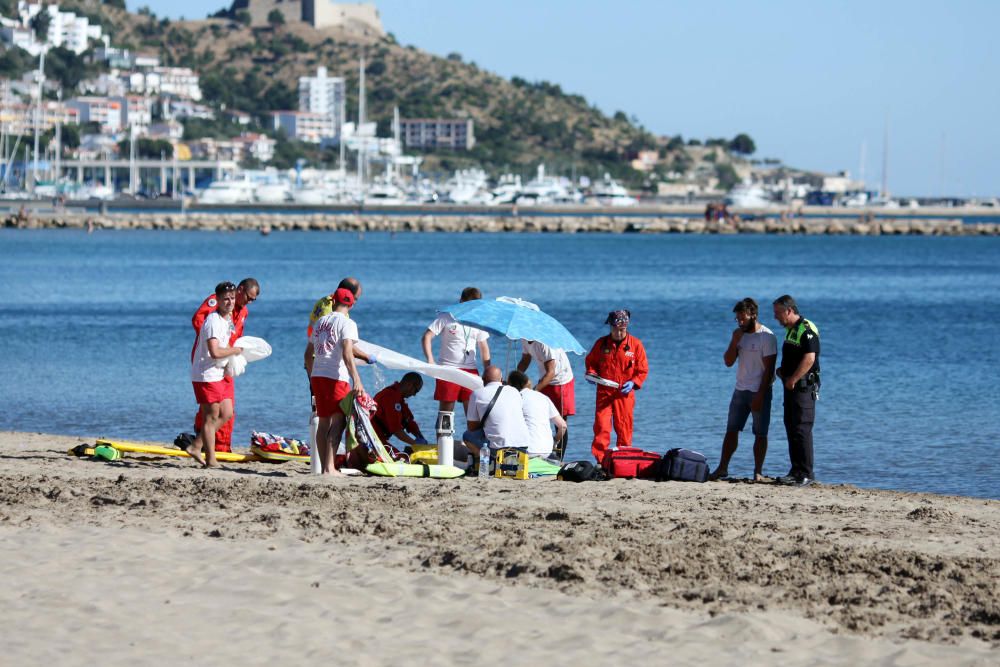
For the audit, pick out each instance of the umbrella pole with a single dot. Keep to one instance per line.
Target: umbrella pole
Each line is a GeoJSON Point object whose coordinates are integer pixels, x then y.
{"type": "Point", "coordinates": [506, 364]}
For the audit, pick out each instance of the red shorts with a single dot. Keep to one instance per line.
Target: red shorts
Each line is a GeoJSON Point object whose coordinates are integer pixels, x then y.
{"type": "Point", "coordinates": [213, 392]}
{"type": "Point", "coordinates": [449, 391]}
{"type": "Point", "coordinates": [328, 393]}
{"type": "Point", "coordinates": [563, 396]}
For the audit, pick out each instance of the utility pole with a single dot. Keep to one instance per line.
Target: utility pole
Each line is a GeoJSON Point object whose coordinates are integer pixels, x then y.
{"type": "Point", "coordinates": [38, 109]}
{"type": "Point", "coordinates": [58, 157]}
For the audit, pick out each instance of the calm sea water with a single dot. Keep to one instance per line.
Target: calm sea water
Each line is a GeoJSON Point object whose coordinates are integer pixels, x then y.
{"type": "Point", "coordinates": [96, 332]}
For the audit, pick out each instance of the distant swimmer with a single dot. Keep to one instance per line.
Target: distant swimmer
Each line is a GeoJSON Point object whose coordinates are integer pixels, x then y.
{"type": "Point", "coordinates": [332, 373]}
{"type": "Point", "coordinates": [556, 380]}
{"type": "Point", "coordinates": [755, 347]}
{"type": "Point", "coordinates": [459, 345]}
{"type": "Point", "coordinates": [213, 393]}
{"type": "Point", "coordinates": [799, 373]}
{"type": "Point", "coordinates": [392, 417]}
{"type": "Point", "coordinates": [617, 365]}
{"type": "Point", "coordinates": [246, 293]}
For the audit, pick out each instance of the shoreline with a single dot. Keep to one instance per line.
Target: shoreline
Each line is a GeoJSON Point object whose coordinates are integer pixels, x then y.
{"type": "Point", "coordinates": [429, 223]}
{"type": "Point", "coordinates": [809, 573]}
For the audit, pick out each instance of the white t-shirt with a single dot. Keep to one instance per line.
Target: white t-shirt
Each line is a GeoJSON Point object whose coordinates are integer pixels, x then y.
{"type": "Point", "coordinates": [753, 347]}
{"type": "Point", "coordinates": [505, 425]}
{"type": "Point", "coordinates": [329, 332]}
{"type": "Point", "coordinates": [542, 353]}
{"type": "Point", "coordinates": [203, 368]}
{"type": "Point", "coordinates": [458, 341]}
{"type": "Point", "coordinates": [538, 414]}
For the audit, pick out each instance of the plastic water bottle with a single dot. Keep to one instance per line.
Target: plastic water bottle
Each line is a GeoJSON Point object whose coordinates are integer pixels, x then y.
{"type": "Point", "coordinates": [484, 461]}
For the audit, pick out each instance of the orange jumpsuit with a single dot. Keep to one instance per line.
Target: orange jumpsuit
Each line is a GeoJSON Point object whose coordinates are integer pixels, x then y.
{"type": "Point", "coordinates": [621, 362]}
{"type": "Point", "coordinates": [224, 436]}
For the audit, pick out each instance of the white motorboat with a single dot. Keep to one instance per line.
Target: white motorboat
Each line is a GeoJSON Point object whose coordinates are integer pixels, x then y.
{"type": "Point", "coordinates": [548, 190]}
{"type": "Point", "coordinates": [507, 190]}
{"type": "Point", "coordinates": [610, 192]}
{"type": "Point", "coordinates": [466, 186]}
{"type": "Point", "coordinates": [274, 192]}
{"type": "Point", "coordinates": [228, 192]}
{"type": "Point", "coordinates": [749, 195]}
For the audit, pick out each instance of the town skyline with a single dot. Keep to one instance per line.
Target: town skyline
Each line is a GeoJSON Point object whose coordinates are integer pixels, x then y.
{"type": "Point", "coordinates": [814, 86]}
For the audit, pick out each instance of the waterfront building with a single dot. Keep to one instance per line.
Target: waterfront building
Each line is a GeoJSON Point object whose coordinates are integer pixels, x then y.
{"type": "Point", "coordinates": [313, 128]}
{"type": "Point", "coordinates": [105, 111]}
{"type": "Point", "coordinates": [19, 118]}
{"type": "Point", "coordinates": [323, 94]}
{"type": "Point", "coordinates": [438, 133]}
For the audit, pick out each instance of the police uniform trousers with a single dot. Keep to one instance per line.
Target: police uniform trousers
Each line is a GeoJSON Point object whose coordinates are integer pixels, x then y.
{"type": "Point", "coordinates": [800, 413]}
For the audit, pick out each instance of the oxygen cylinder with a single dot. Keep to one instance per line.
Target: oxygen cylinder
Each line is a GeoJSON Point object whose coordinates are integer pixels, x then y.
{"type": "Point", "coordinates": [445, 441]}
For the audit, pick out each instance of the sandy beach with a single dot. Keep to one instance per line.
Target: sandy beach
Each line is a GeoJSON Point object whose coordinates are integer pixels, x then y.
{"type": "Point", "coordinates": [150, 560]}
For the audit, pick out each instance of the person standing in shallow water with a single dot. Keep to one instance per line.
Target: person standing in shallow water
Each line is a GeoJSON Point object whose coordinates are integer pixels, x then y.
{"type": "Point", "coordinates": [756, 348]}
{"type": "Point", "coordinates": [799, 373]}
{"type": "Point", "coordinates": [620, 358]}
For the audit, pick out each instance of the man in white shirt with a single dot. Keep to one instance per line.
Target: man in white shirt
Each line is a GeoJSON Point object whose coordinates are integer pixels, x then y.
{"type": "Point", "coordinates": [501, 425]}
{"type": "Point", "coordinates": [459, 344]}
{"type": "Point", "coordinates": [556, 380]}
{"type": "Point", "coordinates": [211, 390]}
{"type": "Point", "coordinates": [540, 414]}
{"type": "Point", "coordinates": [333, 369]}
{"type": "Point", "coordinates": [756, 348]}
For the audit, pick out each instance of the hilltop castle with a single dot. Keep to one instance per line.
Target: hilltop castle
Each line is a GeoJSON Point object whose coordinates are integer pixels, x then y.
{"type": "Point", "coordinates": [356, 17]}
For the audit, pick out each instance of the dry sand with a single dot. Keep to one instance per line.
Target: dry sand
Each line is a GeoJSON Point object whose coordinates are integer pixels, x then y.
{"type": "Point", "coordinates": [150, 561]}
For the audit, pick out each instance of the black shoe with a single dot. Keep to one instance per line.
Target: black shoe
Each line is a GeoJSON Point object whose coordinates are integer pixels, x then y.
{"type": "Point", "coordinates": [803, 481]}
{"type": "Point", "coordinates": [787, 480]}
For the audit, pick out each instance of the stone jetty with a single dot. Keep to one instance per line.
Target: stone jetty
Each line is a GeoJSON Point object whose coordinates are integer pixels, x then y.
{"type": "Point", "coordinates": [375, 222]}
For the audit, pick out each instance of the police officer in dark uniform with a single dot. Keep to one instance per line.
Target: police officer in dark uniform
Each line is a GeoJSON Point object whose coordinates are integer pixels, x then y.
{"type": "Point", "coordinates": [799, 372]}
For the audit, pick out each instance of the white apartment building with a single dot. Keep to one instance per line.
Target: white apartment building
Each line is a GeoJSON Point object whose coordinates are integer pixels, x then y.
{"type": "Point", "coordinates": [179, 81]}
{"type": "Point", "coordinates": [66, 29]}
{"type": "Point", "coordinates": [106, 111]}
{"type": "Point", "coordinates": [138, 111]}
{"type": "Point", "coordinates": [313, 128]}
{"type": "Point", "coordinates": [260, 146]}
{"type": "Point", "coordinates": [323, 94]}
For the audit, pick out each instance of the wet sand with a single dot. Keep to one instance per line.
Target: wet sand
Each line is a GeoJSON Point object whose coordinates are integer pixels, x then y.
{"type": "Point", "coordinates": [154, 560]}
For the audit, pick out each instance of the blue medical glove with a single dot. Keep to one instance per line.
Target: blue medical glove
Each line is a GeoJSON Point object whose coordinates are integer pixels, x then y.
{"type": "Point", "coordinates": [420, 440]}
{"type": "Point", "coordinates": [627, 388]}
{"type": "Point", "coordinates": [372, 358]}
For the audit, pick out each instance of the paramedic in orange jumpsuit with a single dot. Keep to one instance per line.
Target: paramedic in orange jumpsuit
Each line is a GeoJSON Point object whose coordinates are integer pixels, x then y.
{"type": "Point", "coordinates": [246, 293]}
{"type": "Point", "coordinates": [621, 358]}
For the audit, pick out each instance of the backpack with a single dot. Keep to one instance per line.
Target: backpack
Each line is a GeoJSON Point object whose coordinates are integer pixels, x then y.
{"type": "Point", "coordinates": [683, 465]}
{"type": "Point", "coordinates": [580, 471]}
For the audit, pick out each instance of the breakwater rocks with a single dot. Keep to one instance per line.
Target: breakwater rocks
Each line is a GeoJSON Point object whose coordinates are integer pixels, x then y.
{"type": "Point", "coordinates": [374, 222]}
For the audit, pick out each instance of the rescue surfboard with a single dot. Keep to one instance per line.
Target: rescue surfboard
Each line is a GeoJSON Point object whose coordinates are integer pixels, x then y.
{"type": "Point", "coordinates": [155, 450]}
{"type": "Point", "coordinates": [597, 379]}
{"type": "Point", "coordinates": [414, 470]}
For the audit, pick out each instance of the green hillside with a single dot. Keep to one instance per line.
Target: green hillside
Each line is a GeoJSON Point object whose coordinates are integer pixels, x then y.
{"type": "Point", "coordinates": [518, 124]}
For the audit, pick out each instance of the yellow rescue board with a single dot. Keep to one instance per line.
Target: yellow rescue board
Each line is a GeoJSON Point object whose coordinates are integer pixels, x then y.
{"type": "Point", "coordinates": [155, 450]}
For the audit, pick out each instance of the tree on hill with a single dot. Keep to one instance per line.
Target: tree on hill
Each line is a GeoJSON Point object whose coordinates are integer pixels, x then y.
{"type": "Point", "coordinates": [275, 18]}
{"type": "Point", "coordinates": [743, 145]}
{"type": "Point", "coordinates": [40, 24]}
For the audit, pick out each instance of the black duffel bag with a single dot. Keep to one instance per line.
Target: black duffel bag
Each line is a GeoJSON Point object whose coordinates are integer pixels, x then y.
{"type": "Point", "coordinates": [683, 465]}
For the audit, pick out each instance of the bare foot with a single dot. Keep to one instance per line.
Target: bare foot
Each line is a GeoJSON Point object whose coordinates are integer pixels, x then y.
{"type": "Point", "coordinates": [717, 475]}
{"type": "Point", "coordinates": [334, 473]}
{"type": "Point", "coordinates": [212, 464]}
{"type": "Point", "coordinates": [196, 455]}
{"type": "Point", "coordinates": [757, 477]}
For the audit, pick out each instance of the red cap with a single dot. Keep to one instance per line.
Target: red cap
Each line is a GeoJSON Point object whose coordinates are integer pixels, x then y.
{"type": "Point", "coordinates": [344, 297]}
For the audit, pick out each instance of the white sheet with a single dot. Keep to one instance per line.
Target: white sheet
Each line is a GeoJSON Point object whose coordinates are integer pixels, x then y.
{"type": "Point", "coordinates": [400, 362]}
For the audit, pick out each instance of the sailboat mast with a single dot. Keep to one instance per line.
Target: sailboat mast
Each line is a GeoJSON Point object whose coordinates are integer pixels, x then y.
{"type": "Point", "coordinates": [885, 160]}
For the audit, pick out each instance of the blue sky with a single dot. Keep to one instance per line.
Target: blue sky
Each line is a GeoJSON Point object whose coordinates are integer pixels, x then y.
{"type": "Point", "coordinates": [809, 81]}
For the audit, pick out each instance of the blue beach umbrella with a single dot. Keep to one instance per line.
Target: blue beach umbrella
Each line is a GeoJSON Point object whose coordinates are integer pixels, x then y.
{"type": "Point", "coordinates": [515, 319]}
